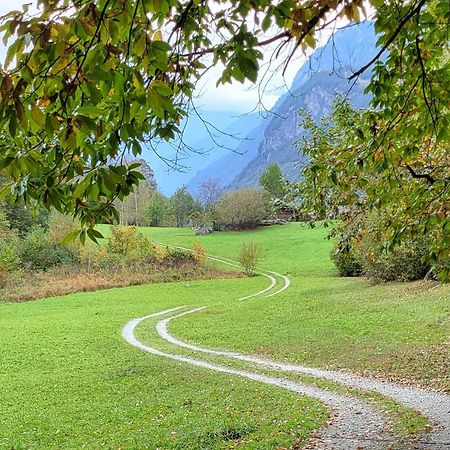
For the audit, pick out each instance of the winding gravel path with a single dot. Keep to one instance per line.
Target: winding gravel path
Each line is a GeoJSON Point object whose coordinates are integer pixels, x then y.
{"type": "Point", "coordinates": [354, 424]}
{"type": "Point", "coordinates": [435, 406]}
{"type": "Point", "coordinates": [265, 273]}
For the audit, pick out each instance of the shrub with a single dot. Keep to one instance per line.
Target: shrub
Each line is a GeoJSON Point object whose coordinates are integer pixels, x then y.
{"type": "Point", "coordinates": [161, 253]}
{"type": "Point", "coordinates": [9, 253]}
{"type": "Point", "coordinates": [402, 263]}
{"type": "Point", "coordinates": [198, 252]}
{"type": "Point", "coordinates": [345, 260]}
{"type": "Point", "coordinates": [38, 252]}
{"type": "Point", "coordinates": [59, 227]}
{"type": "Point", "coordinates": [359, 250]}
{"type": "Point", "coordinates": [122, 240]}
{"type": "Point", "coordinates": [179, 254]}
{"type": "Point", "coordinates": [345, 254]}
{"type": "Point", "coordinates": [112, 262]}
{"type": "Point", "coordinates": [243, 209]}
{"type": "Point", "coordinates": [144, 247]}
{"type": "Point", "coordinates": [249, 255]}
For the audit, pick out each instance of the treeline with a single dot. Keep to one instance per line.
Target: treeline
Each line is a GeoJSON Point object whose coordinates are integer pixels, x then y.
{"type": "Point", "coordinates": [238, 209]}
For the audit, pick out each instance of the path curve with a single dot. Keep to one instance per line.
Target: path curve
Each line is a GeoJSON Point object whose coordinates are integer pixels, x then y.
{"type": "Point", "coordinates": [355, 424]}
{"type": "Point", "coordinates": [435, 406]}
{"type": "Point", "coordinates": [230, 262]}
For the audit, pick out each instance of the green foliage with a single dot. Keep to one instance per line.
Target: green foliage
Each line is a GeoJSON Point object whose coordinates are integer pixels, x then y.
{"type": "Point", "coordinates": [158, 210]}
{"type": "Point", "coordinates": [60, 227]}
{"type": "Point", "coordinates": [357, 163]}
{"type": "Point", "coordinates": [243, 209]}
{"type": "Point", "coordinates": [249, 255]}
{"type": "Point", "coordinates": [273, 182]}
{"type": "Point", "coordinates": [5, 228]}
{"type": "Point", "coordinates": [183, 206]}
{"type": "Point", "coordinates": [24, 219]}
{"type": "Point", "coordinates": [9, 253]}
{"type": "Point", "coordinates": [38, 252]}
{"type": "Point", "coordinates": [111, 262]}
{"type": "Point", "coordinates": [345, 260]}
{"type": "Point", "coordinates": [359, 250]}
{"type": "Point", "coordinates": [404, 263]}
{"type": "Point", "coordinates": [178, 254]}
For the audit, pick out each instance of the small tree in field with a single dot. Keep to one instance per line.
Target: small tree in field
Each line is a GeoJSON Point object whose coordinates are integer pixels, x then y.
{"type": "Point", "coordinates": [273, 182]}
{"type": "Point", "coordinates": [243, 209]}
{"type": "Point", "coordinates": [249, 256]}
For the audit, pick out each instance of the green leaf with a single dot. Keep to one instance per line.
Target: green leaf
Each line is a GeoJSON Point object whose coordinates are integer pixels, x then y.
{"type": "Point", "coordinates": [37, 116]}
{"type": "Point", "coordinates": [71, 236]}
{"type": "Point", "coordinates": [89, 111]}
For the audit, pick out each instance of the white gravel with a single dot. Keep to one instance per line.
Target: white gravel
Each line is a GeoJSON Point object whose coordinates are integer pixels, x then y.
{"type": "Point", "coordinates": [435, 406]}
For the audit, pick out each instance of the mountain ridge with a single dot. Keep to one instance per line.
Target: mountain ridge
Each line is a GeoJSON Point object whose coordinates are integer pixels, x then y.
{"type": "Point", "coordinates": [314, 88]}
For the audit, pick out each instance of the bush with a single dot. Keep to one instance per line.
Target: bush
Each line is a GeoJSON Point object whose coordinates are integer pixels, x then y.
{"type": "Point", "coordinates": [9, 253]}
{"type": "Point", "coordinates": [243, 209]}
{"type": "Point", "coordinates": [359, 250]}
{"type": "Point", "coordinates": [402, 263]}
{"type": "Point", "coordinates": [179, 254]}
{"type": "Point", "coordinates": [345, 260]}
{"type": "Point", "coordinates": [113, 262]}
{"type": "Point", "coordinates": [161, 253]}
{"type": "Point", "coordinates": [345, 254]}
{"type": "Point", "coordinates": [59, 227]}
{"type": "Point", "coordinates": [38, 252]}
{"type": "Point", "coordinates": [144, 247]}
{"type": "Point", "coordinates": [249, 255]}
{"type": "Point", "coordinates": [198, 252]}
{"type": "Point", "coordinates": [123, 240]}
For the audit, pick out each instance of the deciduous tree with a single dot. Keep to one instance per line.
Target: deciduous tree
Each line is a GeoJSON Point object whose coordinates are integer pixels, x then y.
{"type": "Point", "coordinates": [358, 164]}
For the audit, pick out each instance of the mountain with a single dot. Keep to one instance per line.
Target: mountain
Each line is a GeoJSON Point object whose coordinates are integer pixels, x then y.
{"type": "Point", "coordinates": [226, 168]}
{"type": "Point", "coordinates": [314, 88]}
{"type": "Point", "coordinates": [278, 145]}
{"type": "Point", "coordinates": [205, 139]}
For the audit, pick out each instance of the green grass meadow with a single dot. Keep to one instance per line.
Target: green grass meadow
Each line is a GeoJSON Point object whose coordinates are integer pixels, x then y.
{"type": "Point", "coordinates": [69, 380]}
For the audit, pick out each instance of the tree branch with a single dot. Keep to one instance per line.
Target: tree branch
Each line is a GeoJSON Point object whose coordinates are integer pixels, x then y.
{"type": "Point", "coordinates": [425, 176]}
{"type": "Point", "coordinates": [402, 23]}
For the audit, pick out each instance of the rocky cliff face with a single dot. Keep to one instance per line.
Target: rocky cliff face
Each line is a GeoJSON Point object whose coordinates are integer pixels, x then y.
{"type": "Point", "coordinates": [279, 143]}
{"type": "Point", "coordinates": [315, 86]}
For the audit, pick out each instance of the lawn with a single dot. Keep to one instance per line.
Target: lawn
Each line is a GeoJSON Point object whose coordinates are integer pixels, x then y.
{"type": "Point", "coordinates": [400, 331]}
{"type": "Point", "coordinates": [68, 379]}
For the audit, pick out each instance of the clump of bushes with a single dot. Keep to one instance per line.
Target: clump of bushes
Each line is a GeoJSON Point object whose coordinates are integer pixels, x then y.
{"type": "Point", "coordinates": [38, 252]}
{"type": "Point", "coordinates": [243, 209]}
{"type": "Point", "coordinates": [249, 256]}
{"type": "Point", "coordinates": [359, 250]}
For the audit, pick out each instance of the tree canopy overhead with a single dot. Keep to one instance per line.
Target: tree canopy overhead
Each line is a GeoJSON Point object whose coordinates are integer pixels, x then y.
{"type": "Point", "coordinates": [86, 81]}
